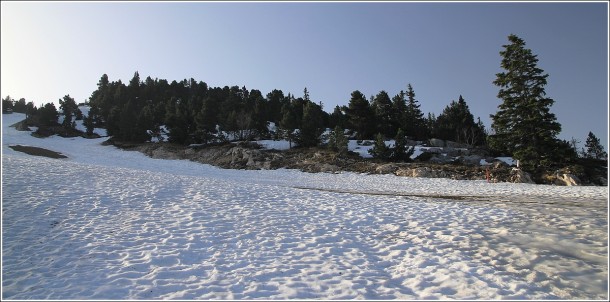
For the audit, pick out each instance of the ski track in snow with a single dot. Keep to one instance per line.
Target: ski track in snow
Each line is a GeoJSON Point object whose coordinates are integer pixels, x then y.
{"type": "Point", "coordinates": [111, 224]}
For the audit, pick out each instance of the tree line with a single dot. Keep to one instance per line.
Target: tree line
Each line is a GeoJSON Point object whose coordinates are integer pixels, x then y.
{"type": "Point", "coordinates": [194, 113]}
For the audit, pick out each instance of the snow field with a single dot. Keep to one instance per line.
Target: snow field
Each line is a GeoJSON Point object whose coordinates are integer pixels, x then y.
{"type": "Point", "coordinates": [111, 224]}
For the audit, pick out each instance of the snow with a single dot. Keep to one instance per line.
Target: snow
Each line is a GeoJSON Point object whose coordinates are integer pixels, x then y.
{"type": "Point", "coordinates": [274, 144]}
{"type": "Point", "coordinates": [508, 160]}
{"type": "Point", "coordinates": [110, 224]}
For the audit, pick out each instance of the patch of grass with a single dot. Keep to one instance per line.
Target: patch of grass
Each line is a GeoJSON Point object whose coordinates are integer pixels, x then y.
{"type": "Point", "coordinates": [37, 151]}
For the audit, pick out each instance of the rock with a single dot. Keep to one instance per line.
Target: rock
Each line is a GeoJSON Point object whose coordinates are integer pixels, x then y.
{"type": "Point", "coordinates": [21, 126]}
{"type": "Point", "coordinates": [328, 168]}
{"type": "Point", "coordinates": [164, 153]}
{"type": "Point", "coordinates": [434, 150]}
{"type": "Point", "coordinates": [425, 172]}
{"type": "Point", "coordinates": [519, 176]}
{"type": "Point", "coordinates": [567, 179]}
{"type": "Point", "coordinates": [471, 160]}
{"type": "Point", "coordinates": [386, 169]}
{"type": "Point", "coordinates": [495, 163]}
{"type": "Point", "coordinates": [412, 142]}
{"type": "Point", "coordinates": [435, 142]}
{"type": "Point", "coordinates": [440, 159]}
{"type": "Point", "coordinates": [453, 152]}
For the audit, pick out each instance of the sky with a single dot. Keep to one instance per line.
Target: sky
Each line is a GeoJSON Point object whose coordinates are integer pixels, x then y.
{"type": "Point", "coordinates": [444, 50]}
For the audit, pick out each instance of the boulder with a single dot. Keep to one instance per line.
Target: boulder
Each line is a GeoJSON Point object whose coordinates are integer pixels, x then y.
{"type": "Point", "coordinates": [451, 144]}
{"type": "Point", "coordinates": [567, 179]}
{"type": "Point", "coordinates": [435, 142]}
{"type": "Point", "coordinates": [386, 169]}
{"type": "Point", "coordinates": [519, 176]}
{"type": "Point", "coordinates": [425, 172]}
{"type": "Point", "coordinates": [164, 153]}
{"type": "Point", "coordinates": [434, 150]}
{"type": "Point", "coordinates": [440, 159]}
{"type": "Point", "coordinates": [471, 160]}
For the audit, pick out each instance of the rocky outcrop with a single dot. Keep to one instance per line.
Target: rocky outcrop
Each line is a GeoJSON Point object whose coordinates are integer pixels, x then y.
{"type": "Point", "coordinates": [241, 156]}
{"type": "Point", "coordinates": [520, 176]}
{"type": "Point", "coordinates": [566, 179]}
{"type": "Point", "coordinates": [21, 126]}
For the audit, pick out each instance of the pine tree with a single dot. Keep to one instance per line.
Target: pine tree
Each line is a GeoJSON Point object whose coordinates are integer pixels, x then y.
{"type": "Point", "coordinates": [382, 106]}
{"type": "Point", "coordinates": [337, 141]}
{"type": "Point", "coordinates": [205, 121]}
{"type": "Point", "coordinates": [288, 123]}
{"type": "Point", "coordinates": [48, 115]}
{"type": "Point", "coordinates": [311, 126]}
{"type": "Point", "coordinates": [7, 104]}
{"type": "Point", "coordinates": [69, 108]}
{"type": "Point", "coordinates": [456, 123]}
{"type": "Point", "coordinates": [337, 118]}
{"type": "Point", "coordinates": [400, 151]}
{"type": "Point", "coordinates": [594, 148]}
{"type": "Point", "coordinates": [380, 150]}
{"type": "Point", "coordinates": [415, 124]}
{"type": "Point", "coordinates": [89, 124]}
{"type": "Point", "coordinates": [399, 111]}
{"type": "Point", "coordinates": [523, 125]}
{"type": "Point", "coordinates": [360, 116]}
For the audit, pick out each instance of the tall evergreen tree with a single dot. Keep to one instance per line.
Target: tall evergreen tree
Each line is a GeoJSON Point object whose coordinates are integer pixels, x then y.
{"type": "Point", "coordinates": [594, 148]}
{"type": "Point", "coordinates": [399, 111]}
{"type": "Point", "coordinates": [70, 109]}
{"type": "Point", "coordinates": [311, 126]}
{"type": "Point", "coordinates": [456, 123]}
{"type": "Point", "coordinates": [274, 100]}
{"type": "Point", "coordinates": [48, 115]}
{"type": "Point", "coordinates": [288, 123]}
{"type": "Point", "coordinates": [382, 107]}
{"type": "Point", "coordinates": [523, 125]}
{"type": "Point", "coordinates": [7, 104]}
{"type": "Point", "coordinates": [89, 124]}
{"type": "Point", "coordinates": [361, 116]}
{"type": "Point", "coordinates": [415, 124]}
{"type": "Point", "coordinates": [206, 121]}
{"type": "Point", "coordinates": [338, 118]}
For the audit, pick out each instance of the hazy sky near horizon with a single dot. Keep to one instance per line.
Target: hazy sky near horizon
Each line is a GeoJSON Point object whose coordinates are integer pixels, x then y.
{"type": "Point", "coordinates": [443, 50]}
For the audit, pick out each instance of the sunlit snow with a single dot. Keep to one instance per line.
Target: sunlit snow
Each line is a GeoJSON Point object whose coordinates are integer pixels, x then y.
{"type": "Point", "coordinates": [110, 224]}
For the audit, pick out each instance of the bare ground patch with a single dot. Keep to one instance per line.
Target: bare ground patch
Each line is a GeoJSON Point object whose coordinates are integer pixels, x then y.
{"type": "Point", "coordinates": [36, 151]}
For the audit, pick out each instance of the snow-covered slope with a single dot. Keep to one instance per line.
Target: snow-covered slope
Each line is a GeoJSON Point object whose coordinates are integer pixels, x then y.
{"type": "Point", "coordinates": [112, 224]}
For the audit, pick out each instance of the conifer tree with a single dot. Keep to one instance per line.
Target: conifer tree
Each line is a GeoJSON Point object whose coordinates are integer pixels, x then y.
{"type": "Point", "coordinates": [7, 104]}
{"type": "Point", "coordinates": [311, 125]}
{"type": "Point", "coordinates": [415, 124]}
{"type": "Point", "coordinates": [399, 111]}
{"type": "Point", "coordinates": [205, 121]}
{"type": "Point", "coordinates": [594, 148]}
{"type": "Point", "coordinates": [70, 109]}
{"type": "Point", "coordinates": [360, 116]}
{"type": "Point", "coordinates": [337, 140]}
{"type": "Point", "coordinates": [400, 151]}
{"type": "Point", "coordinates": [288, 123]}
{"type": "Point", "coordinates": [337, 118]}
{"type": "Point", "coordinates": [48, 115]}
{"type": "Point", "coordinates": [523, 125]}
{"type": "Point", "coordinates": [89, 124]}
{"type": "Point", "coordinates": [456, 123]}
{"type": "Point", "coordinates": [382, 107]}
{"type": "Point", "coordinates": [380, 150]}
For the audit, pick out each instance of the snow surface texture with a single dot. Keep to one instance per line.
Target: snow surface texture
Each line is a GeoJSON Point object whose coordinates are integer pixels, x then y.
{"type": "Point", "coordinates": [111, 224]}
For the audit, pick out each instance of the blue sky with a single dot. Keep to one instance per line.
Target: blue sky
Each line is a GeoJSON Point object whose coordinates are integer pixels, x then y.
{"type": "Point", "coordinates": [443, 49]}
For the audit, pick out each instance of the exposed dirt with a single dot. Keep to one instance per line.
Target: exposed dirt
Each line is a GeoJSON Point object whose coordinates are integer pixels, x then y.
{"type": "Point", "coordinates": [36, 151]}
